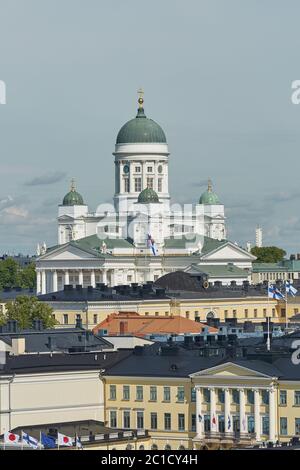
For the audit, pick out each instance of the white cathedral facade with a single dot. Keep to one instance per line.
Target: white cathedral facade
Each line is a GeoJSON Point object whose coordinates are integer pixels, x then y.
{"type": "Point", "coordinates": [141, 236]}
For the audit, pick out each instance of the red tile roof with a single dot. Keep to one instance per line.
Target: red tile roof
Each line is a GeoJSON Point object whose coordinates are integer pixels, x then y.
{"type": "Point", "coordinates": [131, 323]}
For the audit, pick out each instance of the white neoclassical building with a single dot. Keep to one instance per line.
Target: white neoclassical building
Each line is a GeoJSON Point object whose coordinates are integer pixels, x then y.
{"type": "Point", "coordinates": [141, 236]}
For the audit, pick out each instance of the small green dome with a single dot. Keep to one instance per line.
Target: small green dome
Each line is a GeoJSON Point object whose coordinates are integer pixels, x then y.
{"type": "Point", "coordinates": [141, 130]}
{"type": "Point", "coordinates": [73, 198]}
{"type": "Point", "coordinates": [209, 197]}
{"type": "Point", "coordinates": [147, 196]}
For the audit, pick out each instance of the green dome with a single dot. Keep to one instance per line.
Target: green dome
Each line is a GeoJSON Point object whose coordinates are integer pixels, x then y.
{"type": "Point", "coordinates": [141, 130]}
{"type": "Point", "coordinates": [148, 195]}
{"type": "Point", "coordinates": [73, 198]}
{"type": "Point", "coordinates": [209, 197]}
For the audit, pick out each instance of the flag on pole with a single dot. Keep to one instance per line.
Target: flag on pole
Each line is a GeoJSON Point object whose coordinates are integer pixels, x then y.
{"type": "Point", "coordinates": [229, 422]}
{"type": "Point", "coordinates": [151, 244]}
{"type": "Point", "coordinates": [11, 438]}
{"type": "Point", "coordinates": [78, 443]}
{"type": "Point", "coordinates": [63, 440]}
{"type": "Point", "coordinates": [47, 442]}
{"type": "Point", "coordinates": [31, 441]}
{"type": "Point", "coordinates": [275, 293]}
{"type": "Point", "coordinates": [214, 422]}
{"type": "Point", "coordinates": [290, 289]}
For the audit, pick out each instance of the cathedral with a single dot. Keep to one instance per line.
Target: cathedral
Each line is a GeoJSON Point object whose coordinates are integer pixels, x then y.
{"type": "Point", "coordinates": [142, 235]}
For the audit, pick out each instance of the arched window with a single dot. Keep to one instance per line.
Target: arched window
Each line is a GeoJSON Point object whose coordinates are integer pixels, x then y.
{"type": "Point", "coordinates": [154, 447]}
{"type": "Point", "coordinates": [142, 448]}
{"type": "Point", "coordinates": [210, 315]}
{"type": "Point", "coordinates": [168, 447]}
{"type": "Point", "coordinates": [181, 448]}
{"type": "Point", "coordinates": [129, 447]}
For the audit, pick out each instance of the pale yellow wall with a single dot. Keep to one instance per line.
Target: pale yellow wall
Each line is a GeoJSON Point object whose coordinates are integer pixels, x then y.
{"type": "Point", "coordinates": [51, 398]}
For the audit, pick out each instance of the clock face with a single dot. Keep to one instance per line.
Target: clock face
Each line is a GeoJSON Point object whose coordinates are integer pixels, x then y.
{"type": "Point", "coordinates": [160, 169]}
{"type": "Point", "coordinates": [126, 169]}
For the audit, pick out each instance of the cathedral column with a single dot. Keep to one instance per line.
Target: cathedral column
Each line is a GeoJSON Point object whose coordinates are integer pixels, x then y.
{"type": "Point", "coordinates": [54, 281]}
{"type": "Point", "coordinates": [43, 281]}
{"type": "Point", "coordinates": [80, 277]}
{"type": "Point", "coordinates": [93, 278]}
{"type": "Point", "coordinates": [144, 175]}
{"type": "Point", "coordinates": [38, 282]}
{"type": "Point", "coordinates": [104, 276]}
{"type": "Point", "coordinates": [66, 277]}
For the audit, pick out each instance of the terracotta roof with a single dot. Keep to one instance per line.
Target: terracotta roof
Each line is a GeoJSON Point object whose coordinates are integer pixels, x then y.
{"type": "Point", "coordinates": [131, 323]}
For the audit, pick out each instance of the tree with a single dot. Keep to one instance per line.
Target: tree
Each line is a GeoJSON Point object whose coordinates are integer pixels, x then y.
{"type": "Point", "coordinates": [9, 269]}
{"type": "Point", "coordinates": [268, 254]}
{"type": "Point", "coordinates": [27, 277]}
{"type": "Point", "coordinates": [26, 309]}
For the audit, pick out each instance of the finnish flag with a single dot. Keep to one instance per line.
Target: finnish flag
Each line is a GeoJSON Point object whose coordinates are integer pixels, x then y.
{"type": "Point", "coordinates": [289, 289]}
{"type": "Point", "coordinates": [275, 293]}
{"type": "Point", "coordinates": [31, 441]}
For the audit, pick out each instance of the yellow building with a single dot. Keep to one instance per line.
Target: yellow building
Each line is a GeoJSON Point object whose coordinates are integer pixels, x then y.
{"type": "Point", "coordinates": [189, 402]}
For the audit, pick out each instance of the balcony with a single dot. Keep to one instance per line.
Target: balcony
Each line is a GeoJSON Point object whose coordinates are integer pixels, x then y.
{"type": "Point", "coordinates": [235, 438]}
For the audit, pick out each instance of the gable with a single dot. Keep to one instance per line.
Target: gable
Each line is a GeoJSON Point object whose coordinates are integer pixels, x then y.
{"type": "Point", "coordinates": [230, 369]}
{"type": "Point", "coordinates": [67, 252]}
{"type": "Point", "coordinates": [228, 252]}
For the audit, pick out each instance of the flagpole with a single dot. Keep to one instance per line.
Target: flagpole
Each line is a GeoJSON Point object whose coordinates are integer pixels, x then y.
{"type": "Point", "coordinates": [286, 308]}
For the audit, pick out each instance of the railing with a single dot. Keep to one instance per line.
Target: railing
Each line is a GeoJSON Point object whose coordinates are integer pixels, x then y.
{"type": "Point", "coordinates": [234, 436]}
{"type": "Point", "coordinates": [115, 435]}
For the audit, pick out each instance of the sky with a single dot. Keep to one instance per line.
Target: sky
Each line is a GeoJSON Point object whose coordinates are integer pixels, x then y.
{"type": "Point", "coordinates": [217, 77]}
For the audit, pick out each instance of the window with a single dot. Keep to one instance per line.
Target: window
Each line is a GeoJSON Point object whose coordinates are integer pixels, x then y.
{"type": "Point", "coordinates": [246, 313]}
{"type": "Point", "coordinates": [78, 316]}
{"type": "Point", "coordinates": [159, 185]}
{"type": "Point", "coordinates": [251, 424]}
{"type": "Point", "coordinates": [126, 392]}
{"type": "Point", "coordinates": [181, 422]}
{"type": "Point", "coordinates": [282, 397]}
{"type": "Point", "coordinates": [235, 396]}
{"type": "Point", "coordinates": [250, 397]}
{"type": "Point", "coordinates": [255, 313]}
{"type": "Point", "coordinates": [193, 423]}
{"type": "Point", "coordinates": [126, 185]}
{"type": "Point", "coordinates": [297, 397]}
{"type": "Point", "coordinates": [126, 419]}
{"type": "Point", "coordinates": [265, 397]}
{"type": "Point", "coordinates": [282, 312]}
{"type": "Point", "coordinates": [153, 420]}
{"type": "Point", "coordinates": [273, 312]}
{"type": "Point", "coordinates": [193, 394]}
{"type": "Point", "coordinates": [138, 185]}
{"type": "Point", "coordinates": [113, 419]}
{"type": "Point", "coordinates": [207, 423]}
{"type": "Point", "coordinates": [153, 393]}
{"type": "Point", "coordinates": [66, 319]}
{"type": "Point", "coordinates": [137, 169]}
{"type": "Point", "coordinates": [296, 310]}
{"type": "Point", "coordinates": [265, 312]}
{"type": "Point", "coordinates": [221, 396]}
{"type": "Point", "coordinates": [150, 169]}
{"type": "Point", "coordinates": [168, 447]}
{"type": "Point", "coordinates": [112, 392]}
{"type": "Point", "coordinates": [167, 421]}
{"type": "Point", "coordinates": [150, 183]}
{"type": "Point", "coordinates": [234, 313]}
{"type": "Point", "coordinates": [156, 314]}
{"type": "Point", "coordinates": [297, 426]}
{"type": "Point", "coordinates": [167, 394]}
{"type": "Point", "coordinates": [225, 313]}
{"type": "Point", "coordinates": [140, 420]}
{"type": "Point", "coordinates": [180, 394]}
{"type": "Point", "coordinates": [95, 318]}
{"type": "Point", "coordinates": [265, 425]}
{"type": "Point", "coordinates": [283, 426]}
{"type": "Point", "coordinates": [206, 395]}
{"type": "Point", "coordinates": [139, 393]}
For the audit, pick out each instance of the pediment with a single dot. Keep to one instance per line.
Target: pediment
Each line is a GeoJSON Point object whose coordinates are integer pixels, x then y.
{"type": "Point", "coordinates": [228, 370]}
{"type": "Point", "coordinates": [67, 253]}
{"type": "Point", "coordinates": [229, 251]}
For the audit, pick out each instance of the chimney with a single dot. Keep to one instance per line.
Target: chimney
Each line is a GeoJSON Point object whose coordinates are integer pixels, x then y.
{"type": "Point", "coordinates": [18, 346]}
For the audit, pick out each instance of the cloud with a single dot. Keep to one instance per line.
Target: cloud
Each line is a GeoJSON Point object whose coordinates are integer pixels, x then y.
{"type": "Point", "coordinates": [47, 178]}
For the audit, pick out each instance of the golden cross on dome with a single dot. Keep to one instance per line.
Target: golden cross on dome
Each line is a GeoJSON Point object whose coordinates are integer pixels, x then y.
{"type": "Point", "coordinates": [141, 97]}
{"type": "Point", "coordinates": [209, 186]}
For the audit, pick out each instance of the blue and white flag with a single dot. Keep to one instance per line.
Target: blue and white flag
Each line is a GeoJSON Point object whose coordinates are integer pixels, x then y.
{"type": "Point", "coordinates": [290, 289]}
{"type": "Point", "coordinates": [151, 245]}
{"type": "Point", "coordinates": [78, 443]}
{"type": "Point", "coordinates": [275, 293]}
{"type": "Point", "coordinates": [31, 441]}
